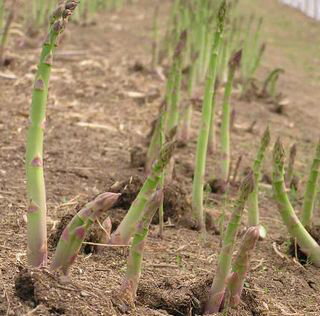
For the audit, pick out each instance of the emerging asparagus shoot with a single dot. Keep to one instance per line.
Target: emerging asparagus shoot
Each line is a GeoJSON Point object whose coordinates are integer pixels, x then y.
{"type": "Point", "coordinates": [131, 280]}
{"type": "Point", "coordinates": [241, 264]}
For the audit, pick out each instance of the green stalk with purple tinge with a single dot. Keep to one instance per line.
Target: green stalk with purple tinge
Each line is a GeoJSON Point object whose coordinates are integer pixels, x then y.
{"type": "Point", "coordinates": [132, 277]}
{"type": "Point", "coordinates": [306, 242]}
{"type": "Point", "coordinates": [220, 281]}
{"type": "Point", "coordinates": [36, 226]}
{"type": "Point", "coordinates": [241, 265]}
{"type": "Point", "coordinates": [74, 234]}
{"type": "Point", "coordinates": [127, 226]}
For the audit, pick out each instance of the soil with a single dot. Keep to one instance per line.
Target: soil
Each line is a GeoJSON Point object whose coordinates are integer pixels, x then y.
{"type": "Point", "coordinates": [95, 123]}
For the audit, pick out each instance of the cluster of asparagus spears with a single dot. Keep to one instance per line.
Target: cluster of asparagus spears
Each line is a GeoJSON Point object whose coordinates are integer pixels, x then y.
{"type": "Point", "coordinates": [214, 50]}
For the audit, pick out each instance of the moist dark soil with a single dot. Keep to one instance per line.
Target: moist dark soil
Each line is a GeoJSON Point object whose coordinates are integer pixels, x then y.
{"type": "Point", "coordinates": [95, 140]}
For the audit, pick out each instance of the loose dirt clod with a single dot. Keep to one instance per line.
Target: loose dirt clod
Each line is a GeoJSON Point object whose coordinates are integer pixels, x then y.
{"type": "Point", "coordinates": [25, 286]}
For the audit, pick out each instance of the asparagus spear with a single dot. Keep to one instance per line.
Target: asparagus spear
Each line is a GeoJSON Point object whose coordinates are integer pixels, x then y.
{"type": "Point", "coordinates": [311, 191]}
{"type": "Point", "coordinates": [131, 280]}
{"type": "Point", "coordinates": [225, 124]}
{"type": "Point", "coordinates": [241, 265]}
{"type": "Point", "coordinates": [202, 143]}
{"type": "Point", "coordinates": [127, 227]}
{"type": "Point", "coordinates": [36, 227]}
{"type": "Point", "coordinates": [292, 158]}
{"type": "Point", "coordinates": [253, 202]}
{"type": "Point", "coordinates": [74, 234]}
{"type": "Point", "coordinates": [220, 280]}
{"type": "Point", "coordinates": [307, 244]}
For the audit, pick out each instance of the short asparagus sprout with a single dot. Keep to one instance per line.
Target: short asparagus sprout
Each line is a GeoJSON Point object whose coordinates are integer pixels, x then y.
{"type": "Point", "coordinates": [269, 88]}
{"type": "Point", "coordinates": [74, 234]}
{"type": "Point", "coordinates": [36, 226]}
{"type": "Point", "coordinates": [307, 244]}
{"type": "Point", "coordinates": [253, 200]}
{"type": "Point", "coordinates": [126, 228]}
{"type": "Point", "coordinates": [311, 191]}
{"type": "Point", "coordinates": [241, 265]}
{"type": "Point", "coordinates": [234, 64]}
{"type": "Point", "coordinates": [220, 281]}
{"type": "Point", "coordinates": [131, 280]}
{"type": "Point", "coordinates": [203, 137]}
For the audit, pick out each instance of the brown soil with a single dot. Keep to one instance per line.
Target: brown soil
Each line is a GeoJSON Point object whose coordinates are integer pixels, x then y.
{"type": "Point", "coordinates": [93, 126]}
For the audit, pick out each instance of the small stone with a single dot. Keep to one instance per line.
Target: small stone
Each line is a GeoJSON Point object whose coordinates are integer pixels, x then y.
{"type": "Point", "coordinates": [84, 294]}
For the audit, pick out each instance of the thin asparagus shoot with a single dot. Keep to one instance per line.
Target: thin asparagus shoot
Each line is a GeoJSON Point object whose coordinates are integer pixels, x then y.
{"type": "Point", "coordinates": [36, 226]}
{"type": "Point", "coordinates": [202, 143]}
{"type": "Point", "coordinates": [234, 64]}
{"type": "Point", "coordinates": [253, 200]}
{"type": "Point", "coordinates": [311, 191]}
{"type": "Point", "coordinates": [131, 280]}
{"type": "Point", "coordinates": [127, 226]}
{"type": "Point", "coordinates": [241, 265]}
{"type": "Point", "coordinates": [290, 170]}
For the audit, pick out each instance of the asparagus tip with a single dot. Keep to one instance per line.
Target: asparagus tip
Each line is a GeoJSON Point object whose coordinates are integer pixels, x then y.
{"type": "Point", "coordinates": [278, 153]}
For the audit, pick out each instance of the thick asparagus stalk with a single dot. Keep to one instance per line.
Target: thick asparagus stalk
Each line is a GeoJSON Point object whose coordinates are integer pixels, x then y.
{"type": "Point", "coordinates": [241, 264]}
{"type": "Point", "coordinates": [253, 200]}
{"type": "Point", "coordinates": [202, 143]}
{"type": "Point", "coordinates": [220, 280]}
{"type": "Point", "coordinates": [225, 124]}
{"type": "Point", "coordinates": [127, 227]}
{"type": "Point", "coordinates": [74, 234]}
{"type": "Point", "coordinates": [307, 244]}
{"type": "Point", "coordinates": [131, 280]}
{"type": "Point", "coordinates": [311, 191]}
{"type": "Point", "coordinates": [36, 227]}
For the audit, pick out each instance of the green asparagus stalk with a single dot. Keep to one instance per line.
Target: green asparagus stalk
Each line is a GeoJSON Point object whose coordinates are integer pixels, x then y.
{"type": "Point", "coordinates": [226, 112]}
{"type": "Point", "coordinates": [292, 159]}
{"type": "Point", "coordinates": [202, 144]}
{"type": "Point", "coordinates": [155, 143]}
{"type": "Point", "coordinates": [74, 234]}
{"type": "Point", "coordinates": [269, 86]}
{"type": "Point", "coordinates": [126, 228]}
{"type": "Point", "coordinates": [219, 285]}
{"type": "Point", "coordinates": [36, 227]}
{"type": "Point", "coordinates": [241, 265]}
{"type": "Point", "coordinates": [253, 200]}
{"type": "Point", "coordinates": [307, 244]}
{"type": "Point", "coordinates": [173, 97]}
{"type": "Point", "coordinates": [6, 30]}
{"type": "Point", "coordinates": [131, 280]}
{"type": "Point", "coordinates": [311, 191]}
